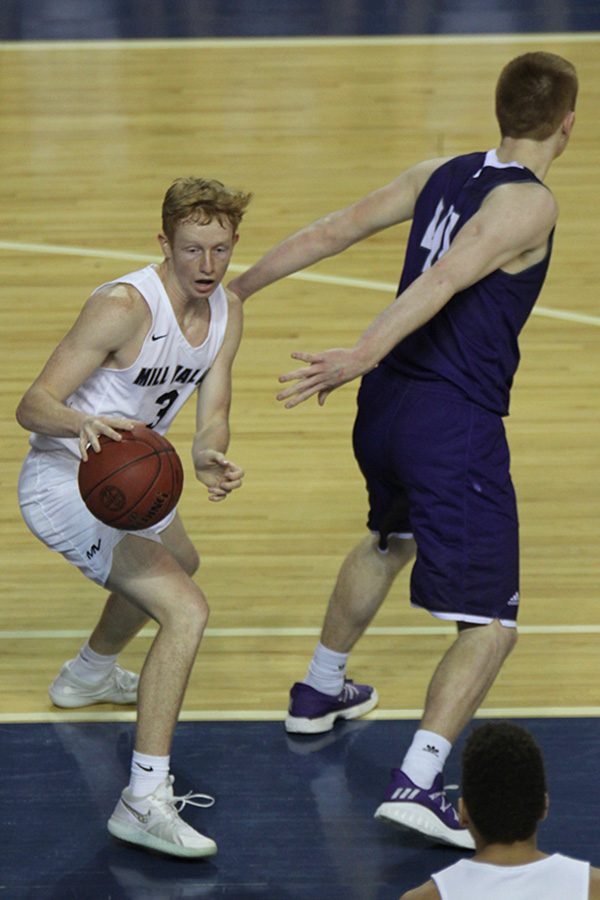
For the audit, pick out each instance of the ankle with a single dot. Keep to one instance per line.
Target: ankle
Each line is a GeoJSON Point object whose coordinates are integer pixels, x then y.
{"type": "Point", "coordinates": [90, 666]}
{"type": "Point", "coordinates": [147, 772]}
{"type": "Point", "coordinates": [327, 671]}
{"type": "Point", "coordinates": [425, 758]}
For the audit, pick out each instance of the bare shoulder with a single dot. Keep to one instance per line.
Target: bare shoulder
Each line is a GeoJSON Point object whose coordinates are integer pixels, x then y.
{"type": "Point", "coordinates": [427, 891]}
{"type": "Point", "coordinates": [594, 883]}
{"type": "Point", "coordinates": [112, 316]}
{"type": "Point", "coordinates": [529, 198]}
{"type": "Point", "coordinates": [388, 205]}
{"type": "Point", "coordinates": [233, 333]}
{"type": "Point", "coordinates": [234, 303]}
{"type": "Point", "coordinates": [119, 296]}
{"type": "Point", "coordinates": [235, 309]}
{"type": "Point", "coordinates": [419, 174]}
{"type": "Point", "coordinates": [425, 169]}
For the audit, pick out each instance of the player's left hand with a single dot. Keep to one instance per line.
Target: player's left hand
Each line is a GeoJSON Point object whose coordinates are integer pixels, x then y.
{"type": "Point", "coordinates": [220, 475]}
{"type": "Point", "coordinates": [325, 372]}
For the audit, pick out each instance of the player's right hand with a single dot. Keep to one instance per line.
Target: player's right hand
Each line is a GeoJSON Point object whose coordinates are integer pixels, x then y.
{"type": "Point", "coordinates": [93, 426]}
{"type": "Point", "coordinates": [325, 372]}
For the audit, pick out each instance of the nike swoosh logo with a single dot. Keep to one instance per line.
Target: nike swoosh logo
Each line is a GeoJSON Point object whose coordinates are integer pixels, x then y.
{"type": "Point", "coordinates": [145, 768]}
{"type": "Point", "coordinates": [159, 337]}
{"type": "Point", "coordinates": [141, 817]}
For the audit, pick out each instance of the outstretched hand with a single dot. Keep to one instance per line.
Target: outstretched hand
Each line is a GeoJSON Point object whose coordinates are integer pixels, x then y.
{"type": "Point", "coordinates": [325, 372]}
{"type": "Point", "coordinates": [218, 474]}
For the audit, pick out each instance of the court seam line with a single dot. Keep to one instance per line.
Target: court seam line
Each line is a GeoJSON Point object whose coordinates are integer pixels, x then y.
{"type": "Point", "coordinates": [259, 715]}
{"type": "Point", "coordinates": [235, 43]}
{"type": "Point", "coordinates": [315, 277]}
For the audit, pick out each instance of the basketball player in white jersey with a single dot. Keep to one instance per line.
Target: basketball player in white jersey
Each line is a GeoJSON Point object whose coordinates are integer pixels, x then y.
{"type": "Point", "coordinates": [504, 799]}
{"type": "Point", "coordinates": [140, 347]}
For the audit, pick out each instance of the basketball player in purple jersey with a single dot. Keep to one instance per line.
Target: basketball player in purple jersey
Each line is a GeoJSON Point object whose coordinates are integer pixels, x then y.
{"type": "Point", "coordinates": [438, 366]}
{"type": "Point", "coordinates": [141, 346]}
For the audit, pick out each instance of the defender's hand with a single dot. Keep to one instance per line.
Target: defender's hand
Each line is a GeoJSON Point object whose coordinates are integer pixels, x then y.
{"type": "Point", "coordinates": [325, 372]}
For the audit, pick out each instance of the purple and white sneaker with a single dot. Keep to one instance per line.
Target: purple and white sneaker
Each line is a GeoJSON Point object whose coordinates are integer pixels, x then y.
{"type": "Point", "coordinates": [427, 811]}
{"type": "Point", "coordinates": [312, 712]}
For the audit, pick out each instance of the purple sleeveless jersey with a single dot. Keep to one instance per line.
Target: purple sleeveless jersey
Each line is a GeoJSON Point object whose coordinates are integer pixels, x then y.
{"type": "Point", "coordinates": [473, 341]}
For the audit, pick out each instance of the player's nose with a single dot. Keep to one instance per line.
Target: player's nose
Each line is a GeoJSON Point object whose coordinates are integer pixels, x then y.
{"type": "Point", "coordinates": [207, 266]}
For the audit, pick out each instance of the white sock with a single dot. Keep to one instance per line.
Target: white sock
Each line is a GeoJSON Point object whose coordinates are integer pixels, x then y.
{"type": "Point", "coordinates": [147, 772]}
{"type": "Point", "coordinates": [91, 666]}
{"type": "Point", "coordinates": [327, 671]}
{"type": "Point", "coordinates": [426, 757]}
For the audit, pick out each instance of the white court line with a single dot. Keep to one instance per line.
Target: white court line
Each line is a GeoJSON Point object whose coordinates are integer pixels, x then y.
{"type": "Point", "coordinates": [340, 281]}
{"type": "Point", "coordinates": [263, 43]}
{"type": "Point", "coordinates": [60, 250]}
{"type": "Point", "coordinates": [261, 715]}
{"type": "Point", "coordinates": [375, 631]}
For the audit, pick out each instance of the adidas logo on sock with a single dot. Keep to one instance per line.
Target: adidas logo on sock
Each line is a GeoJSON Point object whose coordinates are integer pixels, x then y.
{"type": "Point", "coordinates": [429, 748]}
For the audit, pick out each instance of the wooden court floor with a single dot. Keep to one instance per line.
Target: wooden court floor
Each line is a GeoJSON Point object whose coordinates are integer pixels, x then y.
{"type": "Point", "coordinates": [91, 139]}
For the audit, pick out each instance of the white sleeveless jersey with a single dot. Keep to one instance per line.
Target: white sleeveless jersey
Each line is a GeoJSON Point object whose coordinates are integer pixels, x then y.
{"type": "Point", "coordinates": [553, 878]}
{"type": "Point", "coordinates": [167, 370]}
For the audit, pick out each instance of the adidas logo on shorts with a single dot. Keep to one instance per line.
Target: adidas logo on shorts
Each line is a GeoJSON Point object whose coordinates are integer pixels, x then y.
{"type": "Point", "coordinates": [514, 600]}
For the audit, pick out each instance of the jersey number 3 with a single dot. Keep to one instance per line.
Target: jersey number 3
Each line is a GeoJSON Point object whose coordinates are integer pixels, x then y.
{"type": "Point", "coordinates": [166, 401]}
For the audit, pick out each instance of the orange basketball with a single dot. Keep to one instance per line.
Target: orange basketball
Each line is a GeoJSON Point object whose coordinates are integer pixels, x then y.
{"type": "Point", "coordinates": [132, 483]}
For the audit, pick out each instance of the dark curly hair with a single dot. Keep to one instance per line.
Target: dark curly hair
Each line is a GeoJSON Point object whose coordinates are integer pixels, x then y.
{"type": "Point", "coordinates": [504, 782]}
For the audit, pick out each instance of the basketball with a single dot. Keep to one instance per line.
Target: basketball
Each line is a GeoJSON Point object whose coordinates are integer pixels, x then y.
{"type": "Point", "coordinates": [132, 483]}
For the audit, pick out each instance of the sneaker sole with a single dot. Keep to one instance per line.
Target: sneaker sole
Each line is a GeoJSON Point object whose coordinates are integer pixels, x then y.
{"type": "Point", "coordinates": [297, 725]}
{"type": "Point", "coordinates": [414, 817]}
{"type": "Point", "coordinates": [133, 835]}
{"type": "Point", "coordinates": [74, 702]}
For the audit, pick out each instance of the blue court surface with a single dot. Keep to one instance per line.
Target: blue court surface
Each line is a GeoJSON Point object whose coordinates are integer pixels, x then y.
{"type": "Point", "coordinates": [293, 816]}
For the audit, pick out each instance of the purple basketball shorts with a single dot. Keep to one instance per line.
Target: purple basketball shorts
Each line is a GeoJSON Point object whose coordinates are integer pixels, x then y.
{"type": "Point", "coordinates": [438, 466]}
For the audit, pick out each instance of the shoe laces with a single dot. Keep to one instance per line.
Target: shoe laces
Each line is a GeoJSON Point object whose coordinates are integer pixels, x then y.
{"type": "Point", "coordinates": [349, 691]}
{"type": "Point", "coordinates": [445, 805]}
{"type": "Point", "coordinates": [175, 804]}
{"type": "Point", "coordinates": [204, 801]}
{"type": "Point", "coordinates": [123, 679]}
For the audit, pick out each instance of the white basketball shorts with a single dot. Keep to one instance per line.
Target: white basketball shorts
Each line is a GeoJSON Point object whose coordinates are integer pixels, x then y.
{"type": "Point", "coordinates": [54, 511]}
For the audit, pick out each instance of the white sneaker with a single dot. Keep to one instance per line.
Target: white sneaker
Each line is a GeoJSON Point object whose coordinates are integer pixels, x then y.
{"type": "Point", "coordinates": [154, 822]}
{"type": "Point", "coordinates": [69, 691]}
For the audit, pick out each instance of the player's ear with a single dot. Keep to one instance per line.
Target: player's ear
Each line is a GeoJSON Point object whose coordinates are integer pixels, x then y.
{"type": "Point", "coordinates": [568, 122]}
{"type": "Point", "coordinates": [546, 807]}
{"type": "Point", "coordinates": [164, 244]}
{"type": "Point", "coordinates": [463, 813]}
